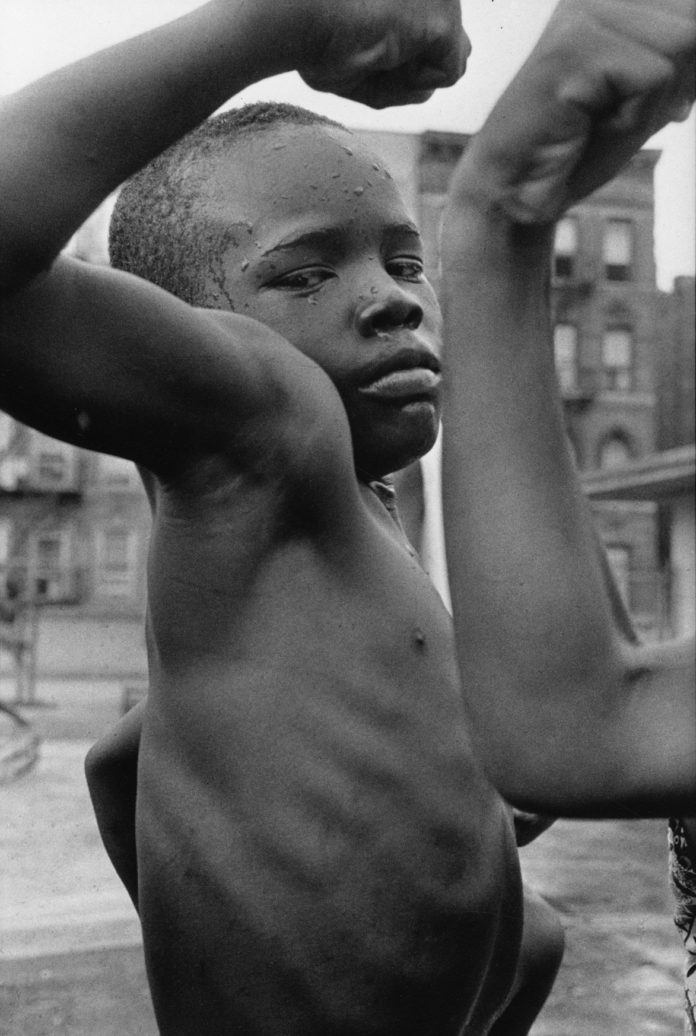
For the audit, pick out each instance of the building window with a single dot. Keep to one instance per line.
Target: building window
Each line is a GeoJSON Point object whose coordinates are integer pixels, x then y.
{"type": "Point", "coordinates": [617, 359]}
{"type": "Point", "coordinates": [565, 247]}
{"type": "Point", "coordinates": [54, 464]}
{"type": "Point", "coordinates": [117, 555]}
{"type": "Point", "coordinates": [618, 250]}
{"type": "Point", "coordinates": [51, 573]}
{"type": "Point", "coordinates": [619, 557]}
{"type": "Point", "coordinates": [565, 346]}
{"type": "Point", "coordinates": [51, 467]}
{"type": "Point", "coordinates": [614, 452]}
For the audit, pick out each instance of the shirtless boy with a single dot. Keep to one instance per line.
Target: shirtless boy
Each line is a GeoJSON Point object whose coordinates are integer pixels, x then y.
{"type": "Point", "coordinates": [319, 850]}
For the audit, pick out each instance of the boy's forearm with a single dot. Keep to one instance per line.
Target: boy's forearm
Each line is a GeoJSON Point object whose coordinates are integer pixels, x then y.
{"type": "Point", "coordinates": [526, 578]}
{"type": "Point", "coordinates": [74, 136]}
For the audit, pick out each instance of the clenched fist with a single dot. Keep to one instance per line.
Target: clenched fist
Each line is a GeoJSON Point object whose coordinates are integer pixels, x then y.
{"type": "Point", "coordinates": [381, 52]}
{"type": "Point", "coordinates": [605, 76]}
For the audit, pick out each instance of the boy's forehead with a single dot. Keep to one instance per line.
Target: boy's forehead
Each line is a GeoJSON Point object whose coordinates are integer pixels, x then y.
{"type": "Point", "coordinates": [272, 172]}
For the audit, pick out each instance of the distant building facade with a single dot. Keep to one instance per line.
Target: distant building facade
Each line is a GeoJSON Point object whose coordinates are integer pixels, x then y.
{"type": "Point", "coordinates": [74, 526]}
{"type": "Point", "coordinates": [607, 311]}
{"type": "Point", "coordinates": [675, 361]}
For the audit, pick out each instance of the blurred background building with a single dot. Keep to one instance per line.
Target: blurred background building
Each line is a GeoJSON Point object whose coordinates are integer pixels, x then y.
{"type": "Point", "coordinates": [74, 525]}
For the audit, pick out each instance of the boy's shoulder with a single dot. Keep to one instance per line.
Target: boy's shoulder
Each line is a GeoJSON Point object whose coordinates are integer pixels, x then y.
{"type": "Point", "coordinates": [294, 451]}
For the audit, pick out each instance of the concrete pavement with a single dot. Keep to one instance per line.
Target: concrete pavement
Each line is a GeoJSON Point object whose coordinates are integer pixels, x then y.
{"type": "Point", "coordinates": [58, 891]}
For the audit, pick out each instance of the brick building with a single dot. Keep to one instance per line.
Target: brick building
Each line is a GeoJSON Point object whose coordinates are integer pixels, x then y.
{"type": "Point", "coordinates": [74, 526]}
{"type": "Point", "coordinates": [675, 360]}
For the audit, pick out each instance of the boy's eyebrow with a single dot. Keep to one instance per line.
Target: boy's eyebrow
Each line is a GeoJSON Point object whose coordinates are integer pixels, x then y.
{"type": "Point", "coordinates": [333, 237]}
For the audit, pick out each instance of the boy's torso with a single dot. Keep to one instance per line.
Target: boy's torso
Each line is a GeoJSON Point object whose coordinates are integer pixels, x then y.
{"type": "Point", "coordinates": [319, 851]}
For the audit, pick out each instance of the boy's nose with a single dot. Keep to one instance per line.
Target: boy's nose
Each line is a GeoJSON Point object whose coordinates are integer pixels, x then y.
{"type": "Point", "coordinates": [388, 312]}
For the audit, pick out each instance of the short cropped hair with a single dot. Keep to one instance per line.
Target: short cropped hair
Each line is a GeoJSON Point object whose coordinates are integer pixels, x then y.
{"type": "Point", "coordinates": [158, 228]}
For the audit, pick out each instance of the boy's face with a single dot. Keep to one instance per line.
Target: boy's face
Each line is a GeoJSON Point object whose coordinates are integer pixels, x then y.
{"type": "Point", "coordinates": [319, 247]}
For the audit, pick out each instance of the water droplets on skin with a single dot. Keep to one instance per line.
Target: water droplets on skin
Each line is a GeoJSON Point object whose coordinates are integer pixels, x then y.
{"type": "Point", "coordinates": [358, 191]}
{"type": "Point", "coordinates": [245, 265]}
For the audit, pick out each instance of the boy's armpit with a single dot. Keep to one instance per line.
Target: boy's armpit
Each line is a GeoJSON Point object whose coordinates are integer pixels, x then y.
{"type": "Point", "coordinates": [109, 362]}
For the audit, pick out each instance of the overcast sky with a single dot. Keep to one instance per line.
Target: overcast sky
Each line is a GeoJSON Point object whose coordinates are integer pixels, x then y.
{"type": "Point", "coordinates": [39, 35]}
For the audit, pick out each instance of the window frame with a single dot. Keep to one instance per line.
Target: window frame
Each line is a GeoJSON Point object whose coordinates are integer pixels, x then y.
{"type": "Point", "coordinates": [611, 373]}
{"type": "Point", "coordinates": [618, 255]}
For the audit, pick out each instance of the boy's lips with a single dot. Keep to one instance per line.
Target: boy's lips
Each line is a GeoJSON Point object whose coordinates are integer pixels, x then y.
{"type": "Point", "coordinates": [407, 373]}
{"type": "Point", "coordinates": [404, 383]}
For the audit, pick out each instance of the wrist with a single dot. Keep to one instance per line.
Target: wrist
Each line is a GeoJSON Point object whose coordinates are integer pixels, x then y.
{"type": "Point", "coordinates": [272, 37]}
{"type": "Point", "coordinates": [282, 37]}
{"type": "Point", "coordinates": [480, 232]}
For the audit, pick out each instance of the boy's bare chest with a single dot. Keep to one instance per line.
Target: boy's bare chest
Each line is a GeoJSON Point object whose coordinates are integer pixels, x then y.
{"type": "Point", "coordinates": [327, 754]}
{"type": "Point", "coordinates": [337, 654]}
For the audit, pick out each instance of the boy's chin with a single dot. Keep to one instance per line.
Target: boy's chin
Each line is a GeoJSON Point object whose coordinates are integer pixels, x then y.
{"type": "Point", "coordinates": [392, 449]}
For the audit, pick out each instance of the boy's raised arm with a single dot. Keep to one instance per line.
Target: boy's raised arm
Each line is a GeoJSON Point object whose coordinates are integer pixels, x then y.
{"type": "Point", "coordinates": [571, 714]}
{"type": "Point", "coordinates": [74, 136]}
{"type": "Point", "coordinates": [71, 339]}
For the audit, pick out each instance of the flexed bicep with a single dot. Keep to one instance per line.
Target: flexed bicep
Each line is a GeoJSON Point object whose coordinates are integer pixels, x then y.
{"type": "Point", "coordinates": [108, 362]}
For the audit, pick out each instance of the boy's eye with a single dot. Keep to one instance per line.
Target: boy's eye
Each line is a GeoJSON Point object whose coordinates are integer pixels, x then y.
{"type": "Point", "coordinates": [309, 279]}
{"type": "Point", "coordinates": [406, 268]}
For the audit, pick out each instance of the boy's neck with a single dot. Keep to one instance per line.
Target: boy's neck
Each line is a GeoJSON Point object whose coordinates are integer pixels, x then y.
{"type": "Point", "coordinates": [383, 493]}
